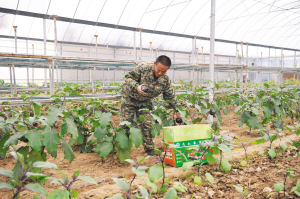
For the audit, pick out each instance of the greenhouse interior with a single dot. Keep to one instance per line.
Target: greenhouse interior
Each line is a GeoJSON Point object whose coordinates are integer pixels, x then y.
{"type": "Point", "coordinates": [149, 99]}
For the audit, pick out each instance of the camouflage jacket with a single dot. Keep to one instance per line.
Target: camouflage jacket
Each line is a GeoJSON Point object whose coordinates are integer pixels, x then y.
{"type": "Point", "coordinates": [144, 74]}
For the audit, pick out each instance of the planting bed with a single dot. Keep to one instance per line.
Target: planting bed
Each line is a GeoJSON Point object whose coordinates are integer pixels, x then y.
{"type": "Point", "coordinates": [259, 176]}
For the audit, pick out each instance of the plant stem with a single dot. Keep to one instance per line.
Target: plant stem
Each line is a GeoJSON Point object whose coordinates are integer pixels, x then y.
{"type": "Point", "coordinates": [220, 160]}
{"type": "Point", "coordinates": [201, 160]}
{"type": "Point", "coordinates": [285, 177]}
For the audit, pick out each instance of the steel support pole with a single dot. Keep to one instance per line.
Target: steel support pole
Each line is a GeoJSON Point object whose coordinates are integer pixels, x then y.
{"type": "Point", "coordinates": [57, 74]}
{"type": "Point", "coordinates": [16, 46]}
{"type": "Point", "coordinates": [27, 46]}
{"type": "Point", "coordinates": [197, 77]}
{"type": "Point", "coordinates": [61, 75]}
{"type": "Point", "coordinates": [32, 70]}
{"type": "Point", "coordinates": [115, 76]}
{"type": "Point", "coordinates": [236, 78]}
{"type": "Point", "coordinates": [53, 62]}
{"type": "Point", "coordinates": [45, 51]}
{"type": "Point", "coordinates": [295, 65]}
{"type": "Point", "coordinates": [202, 56]}
{"type": "Point", "coordinates": [82, 76]}
{"type": "Point", "coordinates": [94, 78]}
{"type": "Point", "coordinates": [156, 52]}
{"type": "Point", "coordinates": [269, 57]}
{"type": "Point", "coordinates": [14, 76]}
{"type": "Point", "coordinates": [55, 34]}
{"type": "Point", "coordinates": [28, 77]}
{"type": "Point", "coordinates": [50, 76]}
{"type": "Point", "coordinates": [91, 80]}
{"type": "Point", "coordinates": [212, 54]}
{"type": "Point", "coordinates": [11, 83]}
{"type": "Point", "coordinates": [108, 76]}
{"type": "Point", "coordinates": [201, 80]}
{"type": "Point", "coordinates": [96, 36]}
{"type": "Point", "coordinates": [77, 77]}
{"type": "Point", "coordinates": [103, 76]}
{"type": "Point", "coordinates": [193, 77]}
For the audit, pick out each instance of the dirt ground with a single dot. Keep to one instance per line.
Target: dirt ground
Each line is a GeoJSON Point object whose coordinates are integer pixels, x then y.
{"type": "Point", "coordinates": [259, 175]}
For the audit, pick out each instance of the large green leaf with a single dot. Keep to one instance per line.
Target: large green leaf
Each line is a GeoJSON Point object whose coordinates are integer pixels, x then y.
{"type": "Point", "coordinates": [144, 192]}
{"type": "Point", "coordinates": [138, 172]}
{"type": "Point", "coordinates": [171, 194]}
{"type": "Point", "coordinates": [225, 149]}
{"type": "Point", "coordinates": [3, 150]}
{"type": "Point", "coordinates": [53, 114]}
{"type": "Point", "coordinates": [105, 119]}
{"type": "Point", "coordinates": [155, 117]}
{"type": "Point", "coordinates": [209, 178]}
{"type": "Point", "coordinates": [48, 165]}
{"type": "Point", "coordinates": [58, 193]}
{"type": "Point", "coordinates": [37, 188]}
{"type": "Point", "coordinates": [152, 185]}
{"type": "Point", "coordinates": [69, 153]}
{"type": "Point", "coordinates": [283, 145]}
{"type": "Point", "coordinates": [100, 133]}
{"type": "Point", "coordinates": [34, 140]}
{"type": "Point", "coordinates": [267, 111]}
{"type": "Point", "coordinates": [121, 183]}
{"type": "Point", "coordinates": [7, 173]}
{"type": "Point", "coordinates": [156, 130]}
{"type": "Point", "coordinates": [136, 136]}
{"type": "Point", "coordinates": [36, 108]}
{"type": "Point", "coordinates": [225, 164]}
{"type": "Point", "coordinates": [187, 165]}
{"type": "Point", "coordinates": [87, 179]}
{"type": "Point", "coordinates": [272, 153]}
{"type": "Point", "coordinates": [4, 185]}
{"type": "Point", "coordinates": [69, 126]}
{"type": "Point", "coordinates": [253, 122]}
{"type": "Point", "coordinates": [198, 180]}
{"type": "Point", "coordinates": [51, 138]}
{"type": "Point", "coordinates": [123, 154]}
{"type": "Point", "coordinates": [107, 147]}
{"type": "Point", "coordinates": [122, 139]}
{"type": "Point", "coordinates": [278, 186]}
{"type": "Point", "coordinates": [13, 140]}
{"type": "Point", "coordinates": [209, 157]}
{"type": "Point", "coordinates": [155, 172]}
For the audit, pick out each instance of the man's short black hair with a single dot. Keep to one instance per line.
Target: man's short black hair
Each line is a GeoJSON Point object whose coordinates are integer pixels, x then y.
{"type": "Point", "coordinates": [164, 60]}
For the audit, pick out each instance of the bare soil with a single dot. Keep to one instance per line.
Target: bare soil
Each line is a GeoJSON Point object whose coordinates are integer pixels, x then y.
{"type": "Point", "coordinates": [102, 170]}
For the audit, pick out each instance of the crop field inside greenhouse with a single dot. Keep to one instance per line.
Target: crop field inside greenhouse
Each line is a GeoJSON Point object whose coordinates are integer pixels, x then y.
{"type": "Point", "coordinates": [149, 99]}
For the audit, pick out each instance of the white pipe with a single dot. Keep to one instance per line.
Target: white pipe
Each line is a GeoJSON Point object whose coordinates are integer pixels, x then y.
{"type": "Point", "coordinates": [55, 34]}
{"type": "Point", "coordinates": [16, 47]}
{"type": "Point", "coordinates": [57, 74]}
{"type": "Point", "coordinates": [94, 78]}
{"type": "Point", "coordinates": [77, 77]}
{"type": "Point", "coordinates": [108, 77]}
{"type": "Point", "coordinates": [14, 75]}
{"type": "Point", "coordinates": [53, 76]}
{"type": "Point", "coordinates": [50, 77]}
{"type": "Point", "coordinates": [96, 47]}
{"type": "Point", "coordinates": [202, 56]}
{"type": "Point", "coordinates": [45, 51]}
{"type": "Point", "coordinates": [32, 70]}
{"type": "Point", "coordinates": [212, 54]}
{"type": "Point", "coordinates": [82, 76]}
{"type": "Point", "coordinates": [103, 76]}
{"type": "Point", "coordinates": [295, 65]}
{"type": "Point", "coordinates": [27, 46]}
{"type": "Point", "coordinates": [11, 86]}
{"type": "Point", "coordinates": [27, 76]}
{"type": "Point", "coordinates": [269, 57]}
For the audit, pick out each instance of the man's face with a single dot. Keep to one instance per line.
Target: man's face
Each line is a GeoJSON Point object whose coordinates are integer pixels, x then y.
{"type": "Point", "coordinates": [160, 69]}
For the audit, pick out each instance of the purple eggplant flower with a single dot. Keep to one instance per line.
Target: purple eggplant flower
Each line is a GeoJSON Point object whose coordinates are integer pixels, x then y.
{"type": "Point", "coordinates": [158, 161]}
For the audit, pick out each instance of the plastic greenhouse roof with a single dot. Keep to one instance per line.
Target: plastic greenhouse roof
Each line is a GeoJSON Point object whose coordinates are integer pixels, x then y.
{"type": "Point", "coordinates": [273, 23]}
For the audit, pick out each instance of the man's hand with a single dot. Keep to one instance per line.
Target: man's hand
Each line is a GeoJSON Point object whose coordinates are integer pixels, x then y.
{"type": "Point", "coordinates": [139, 89]}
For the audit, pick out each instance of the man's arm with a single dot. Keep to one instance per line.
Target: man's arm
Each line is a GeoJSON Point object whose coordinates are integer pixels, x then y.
{"type": "Point", "coordinates": [133, 77]}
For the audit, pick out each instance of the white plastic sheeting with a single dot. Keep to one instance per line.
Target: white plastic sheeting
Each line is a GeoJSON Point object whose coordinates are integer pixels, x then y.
{"type": "Point", "coordinates": [266, 22]}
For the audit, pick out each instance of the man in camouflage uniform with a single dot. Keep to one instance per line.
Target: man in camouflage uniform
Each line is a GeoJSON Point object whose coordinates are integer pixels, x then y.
{"type": "Point", "coordinates": [154, 77]}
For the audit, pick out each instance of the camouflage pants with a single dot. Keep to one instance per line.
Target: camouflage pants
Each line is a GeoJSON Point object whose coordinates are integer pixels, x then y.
{"type": "Point", "coordinates": [130, 107]}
